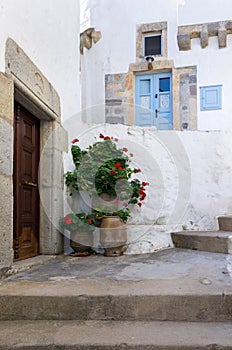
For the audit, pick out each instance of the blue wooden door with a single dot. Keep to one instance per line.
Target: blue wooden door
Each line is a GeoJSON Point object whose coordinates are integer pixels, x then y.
{"type": "Point", "coordinates": [154, 100]}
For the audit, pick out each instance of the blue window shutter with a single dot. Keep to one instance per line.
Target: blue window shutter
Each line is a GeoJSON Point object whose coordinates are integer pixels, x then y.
{"type": "Point", "coordinates": [211, 97]}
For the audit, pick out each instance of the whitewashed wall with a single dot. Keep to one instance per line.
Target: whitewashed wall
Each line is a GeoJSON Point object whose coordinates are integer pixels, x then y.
{"type": "Point", "coordinates": [189, 172]}
{"type": "Point", "coordinates": [112, 54]}
{"type": "Point", "coordinates": [48, 31]}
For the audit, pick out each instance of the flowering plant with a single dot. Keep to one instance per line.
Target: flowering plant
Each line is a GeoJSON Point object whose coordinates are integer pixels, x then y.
{"type": "Point", "coordinates": [103, 168]}
{"type": "Point", "coordinates": [81, 221]}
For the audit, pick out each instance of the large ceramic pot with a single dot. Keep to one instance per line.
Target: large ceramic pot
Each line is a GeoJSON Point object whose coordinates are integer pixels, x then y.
{"type": "Point", "coordinates": [81, 242]}
{"type": "Point", "coordinates": [113, 235]}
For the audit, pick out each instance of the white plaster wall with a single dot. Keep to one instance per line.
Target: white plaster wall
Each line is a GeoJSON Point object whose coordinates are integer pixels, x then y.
{"type": "Point", "coordinates": [190, 175]}
{"type": "Point", "coordinates": [117, 22]}
{"type": "Point", "coordinates": [48, 31]}
{"type": "Point", "coordinates": [213, 63]}
{"type": "Point", "coordinates": [112, 54]}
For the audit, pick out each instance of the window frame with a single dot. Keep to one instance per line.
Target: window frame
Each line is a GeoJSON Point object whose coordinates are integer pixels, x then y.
{"type": "Point", "coordinates": [152, 35]}
{"type": "Point", "coordinates": [145, 29]}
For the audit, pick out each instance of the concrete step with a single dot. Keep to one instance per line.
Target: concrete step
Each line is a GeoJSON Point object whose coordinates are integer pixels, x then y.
{"type": "Point", "coordinates": [114, 335]}
{"type": "Point", "coordinates": [225, 223]}
{"type": "Point", "coordinates": [210, 241]}
{"type": "Point", "coordinates": [110, 300]}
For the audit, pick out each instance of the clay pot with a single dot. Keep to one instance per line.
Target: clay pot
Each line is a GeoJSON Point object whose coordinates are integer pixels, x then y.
{"type": "Point", "coordinates": [81, 241]}
{"type": "Point", "coordinates": [113, 235]}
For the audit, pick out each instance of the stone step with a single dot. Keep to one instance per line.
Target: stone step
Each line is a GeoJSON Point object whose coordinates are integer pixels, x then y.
{"type": "Point", "coordinates": [225, 223]}
{"type": "Point", "coordinates": [146, 301]}
{"type": "Point", "coordinates": [210, 241]}
{"type": "Point", "coordinates": [114, 335]}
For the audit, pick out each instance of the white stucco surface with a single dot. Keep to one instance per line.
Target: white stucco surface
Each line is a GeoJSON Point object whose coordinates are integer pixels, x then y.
{"type": "Point", "coordinates": [189, 173]}
{"type": "Point", "coordinates": [48, 31]}
{"type": "Point", "coordinates": [117, 21]}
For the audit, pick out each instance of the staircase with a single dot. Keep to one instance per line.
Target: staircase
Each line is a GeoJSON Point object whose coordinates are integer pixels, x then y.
{"type": "Point", "coordinates": [211, 241]}
{"type": "Point", "coordinates": [176, 299]}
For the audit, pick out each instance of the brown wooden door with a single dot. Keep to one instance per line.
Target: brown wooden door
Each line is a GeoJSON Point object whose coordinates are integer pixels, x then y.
{"type": "Point", "coordinates": [26, 195]}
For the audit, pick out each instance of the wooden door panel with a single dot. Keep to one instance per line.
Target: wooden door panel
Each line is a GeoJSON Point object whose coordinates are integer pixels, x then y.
{"type": "Point", "coordinates": [26, 196]}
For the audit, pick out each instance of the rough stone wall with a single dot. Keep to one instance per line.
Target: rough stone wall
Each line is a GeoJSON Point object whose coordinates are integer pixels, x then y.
{"type": "Point", "coordinates": [6, 171]}
{"type": "Point", "coordinates": [188, 98]}
{"type": "Point", "coordinates": [115, 87]}
{"type": "Point", "coordinates": [119, 94]}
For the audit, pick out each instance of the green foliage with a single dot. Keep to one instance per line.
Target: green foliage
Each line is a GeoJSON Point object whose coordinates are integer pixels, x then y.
{"type": "Point", "coordinates": [80, 221]}
{"type": "Point", "coordinates": [101, 211]}
{"type": "Point", "coordinates": [104, 168]}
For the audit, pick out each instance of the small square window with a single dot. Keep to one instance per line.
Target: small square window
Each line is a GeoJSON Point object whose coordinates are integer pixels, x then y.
{"type": "Point", "coordinates": [211, 97]}
{"type": "Point", "coordinates": [152, 45]}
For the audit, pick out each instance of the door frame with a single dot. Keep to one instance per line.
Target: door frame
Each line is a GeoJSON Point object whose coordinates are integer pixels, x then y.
{"type": "Point", "coordinates": [26, 84]}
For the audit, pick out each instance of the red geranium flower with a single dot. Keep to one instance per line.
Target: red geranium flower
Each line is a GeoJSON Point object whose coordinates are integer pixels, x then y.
{"type": "Point", "coordinates": [106, 138]}
{"type": "Point", "coordinates": [116, 139]}
{"type": "Point", "coordinates": [125, 149]}
{"type": "Point", "coordinates": [117, 165]}
{"type": "Point", "coordinates": [140, 204]}
{"type": "Point", "coordinates": [112, 172]}
{"type": "Point", "coordinates": [75, 140]}
{"type": "Point", "coordinates": [90, 220]}
{"type": "Point", "coordinates": [131, 154]}
{"type": "Point", "coordinates": [120, 168]}
{"type": "Point", "coordinates": [137, 170]}
{"type": "Point", "coordinates": [68, 220]}
{"type": "Point", "coordinates": [145, 183]}
{"type": "Point", "coordinates": [101, 136]}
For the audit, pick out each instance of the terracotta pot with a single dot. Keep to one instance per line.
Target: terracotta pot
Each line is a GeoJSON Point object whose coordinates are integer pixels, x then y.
{"type": "Point", "coordinates": [81, 241]}
{"type": "Point", "coordinates": [113, 235]}
{"type": "Point", "coordinates": [106, 200]}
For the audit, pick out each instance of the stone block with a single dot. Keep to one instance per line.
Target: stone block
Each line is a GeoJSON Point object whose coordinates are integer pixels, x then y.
{"type": "Point", "coordinates": [6, 219]}
{"type": "Point", "coordinates": [192, 79]}
{"type": "Point", "coordinates": [51, 239]}
{"type": "Point", "coordinates": [210, 241]}
{"type": "Point", "coordinates": [7, 98]}
{"type": "Point", "coordinates": [114, 102]}
{"type": "Point", "coordinates": [184, 42]}
{"type": "Point", "coordinates": [51, 168]}
{"type": "Point", "coordinates": [222, 38]}
{"type": "Point", "coordinates": [6, 147]}
{"type": "Point", "coordinates": [204, 36]}
{"type": "Point", "coordinates": [115, 120]}
{"type": "Point", "coordinates": [225, 223]}
{"type": "Point", "coordinates": [20, 65]}
{"type": "Point", "coordinates": [193, 90]}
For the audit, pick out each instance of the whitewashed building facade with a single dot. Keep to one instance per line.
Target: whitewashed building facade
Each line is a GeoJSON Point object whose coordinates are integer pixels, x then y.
{"type": "Point", "coordinates": [173, 113]}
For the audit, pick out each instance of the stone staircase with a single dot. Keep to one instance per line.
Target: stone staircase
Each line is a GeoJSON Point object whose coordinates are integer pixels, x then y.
{"type": "Point", "coordinates": [172, 300]}
{"type": "Point", "coordinates": [211, 241]}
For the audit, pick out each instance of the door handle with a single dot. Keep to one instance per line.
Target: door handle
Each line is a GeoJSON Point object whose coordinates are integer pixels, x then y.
{"type": "Point", "coordinates": [28, 183]}
{"type": "Point", "coordinates": [156, 113]}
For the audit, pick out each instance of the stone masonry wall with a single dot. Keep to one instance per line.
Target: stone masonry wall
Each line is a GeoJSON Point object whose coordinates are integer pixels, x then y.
{"type": "Point", "coordinates": [6, 171]}
{"type": "Point", "coordinates": [115, 98]}
{"type": "Point", "coordinates": [188, 98]}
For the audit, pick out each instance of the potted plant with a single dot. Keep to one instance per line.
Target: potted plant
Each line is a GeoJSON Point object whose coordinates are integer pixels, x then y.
{"type": "Point", "coordinates": [106, 173]}
{"type": "Point", "coordinates": [81, 227]}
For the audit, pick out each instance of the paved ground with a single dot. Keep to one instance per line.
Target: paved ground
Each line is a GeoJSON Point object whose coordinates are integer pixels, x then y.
{"type": "Point", "coordinates": [172, 267]}
{"type": "Point", "coordinates": [133, 302]}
